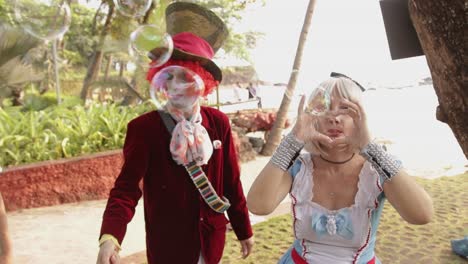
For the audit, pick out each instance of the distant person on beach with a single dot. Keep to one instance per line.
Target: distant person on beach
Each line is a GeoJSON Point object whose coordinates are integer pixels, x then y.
{"type": "Point", "coordinates": [237, 91]}
{"type": "Point", "coordinates": [185, 155]}
{"type": "Point", "coordinates": [5, 243]}
{"type": "Point", "coordinates": [252, 91]}
{"type": "Point", "coordinates": [339, 183]}
{"type": "Point", "coordinates": [253, 94]}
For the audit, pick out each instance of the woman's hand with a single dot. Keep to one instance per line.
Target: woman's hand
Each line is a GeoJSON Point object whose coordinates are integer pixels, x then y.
{"type": "Point", "coordinates": [304, 129]}
{"type": "Point", "coordinates": [361, 135]}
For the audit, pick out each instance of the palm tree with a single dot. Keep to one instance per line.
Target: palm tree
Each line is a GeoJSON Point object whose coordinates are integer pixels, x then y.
{"type": "Point", "coordinates": [274, 137]}
{"type": "Point", "coordinates": [15, 72]}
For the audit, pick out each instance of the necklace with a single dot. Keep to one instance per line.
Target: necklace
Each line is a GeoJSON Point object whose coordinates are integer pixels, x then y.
{"type": "Point", "coordinates": [337, 162]}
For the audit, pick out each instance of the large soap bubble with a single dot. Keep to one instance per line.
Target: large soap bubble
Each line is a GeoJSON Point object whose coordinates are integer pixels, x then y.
{"type": "Point", "coordinates": [132, 8]}
{"type": "Point", "coordinates": [177, 84]}
{"type": "Point", "coordinates": [47, 19]}
{"type": "Point", "coordinates": [318, 102]}
{"type": "Point", "coordinates": [149, 48]}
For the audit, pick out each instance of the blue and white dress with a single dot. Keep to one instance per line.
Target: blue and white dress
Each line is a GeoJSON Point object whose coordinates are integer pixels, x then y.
{"type": "Point", "coordinates": [339, 236]}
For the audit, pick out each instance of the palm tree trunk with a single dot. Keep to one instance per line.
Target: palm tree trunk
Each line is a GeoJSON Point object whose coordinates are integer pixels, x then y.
{"type": "Point", "coordinates": [440, 26]}
{"type": "Point", "coordinates": [123, 65]}
{"type": "Point", "coordinates": [95, 63]}
{"type": "Point", "coordinates": [274, 137]}
{"type": "Point", "coordinates": [108, 67]}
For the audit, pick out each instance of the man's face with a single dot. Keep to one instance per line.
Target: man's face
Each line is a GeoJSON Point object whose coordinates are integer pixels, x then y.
{"type": "Point", "coordinates": [182, 86]}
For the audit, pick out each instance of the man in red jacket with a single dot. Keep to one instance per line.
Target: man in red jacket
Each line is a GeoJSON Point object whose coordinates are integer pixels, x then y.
{"type": "Point", "coordinates": [190, 172]}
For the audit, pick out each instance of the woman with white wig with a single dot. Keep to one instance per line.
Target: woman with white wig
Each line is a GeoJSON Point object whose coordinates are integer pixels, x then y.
{"type": "Point", "coordinates": [339, 183]}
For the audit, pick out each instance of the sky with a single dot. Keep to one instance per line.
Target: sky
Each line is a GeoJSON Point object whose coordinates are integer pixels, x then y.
{"type": "Point", "coordinates": [345, 36]}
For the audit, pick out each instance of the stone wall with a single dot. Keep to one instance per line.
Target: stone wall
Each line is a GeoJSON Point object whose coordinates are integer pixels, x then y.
{"type": "Point", "coordinates": [61, 181]}
{"type": "Point", "coordinates": [77, 179]}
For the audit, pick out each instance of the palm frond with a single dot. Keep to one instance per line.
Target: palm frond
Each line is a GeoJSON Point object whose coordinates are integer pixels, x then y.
{"type": "Point", "coordinates": [14, 42]}
{"type": "Point", "coordinates": [15, 72]}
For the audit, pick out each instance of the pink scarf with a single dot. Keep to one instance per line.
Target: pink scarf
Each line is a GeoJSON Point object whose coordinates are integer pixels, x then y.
{"type": "Point", "coordinates": [190, 140]}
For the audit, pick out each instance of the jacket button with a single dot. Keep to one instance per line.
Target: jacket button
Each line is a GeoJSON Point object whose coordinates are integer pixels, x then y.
{"type": "Point", "coordinates": [201, 219]}
{"type": "Point", "coordinates": [163, 187]}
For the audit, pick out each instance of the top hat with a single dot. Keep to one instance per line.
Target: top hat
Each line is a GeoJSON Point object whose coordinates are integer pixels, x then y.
{"type": "Point", "coordinates": [197, 33]}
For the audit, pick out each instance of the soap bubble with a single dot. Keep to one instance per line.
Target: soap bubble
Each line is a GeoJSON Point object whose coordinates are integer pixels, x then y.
{"type": "Point", "coordinates": [149, 48]}
{"type": "Point", "coordinates": [319, 102]}
{"type": "Point", "coordinates": [132, 8]}
{"type": "Point", "coordinates": [48, 20]}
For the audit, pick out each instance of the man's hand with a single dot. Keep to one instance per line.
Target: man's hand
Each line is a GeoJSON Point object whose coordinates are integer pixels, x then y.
{"type": "Point", "coordinates": [5, 243]}
{"type": "Point", "coordinates": [108, 253]}
{"type": "Point", "coordinates": [246, 246]}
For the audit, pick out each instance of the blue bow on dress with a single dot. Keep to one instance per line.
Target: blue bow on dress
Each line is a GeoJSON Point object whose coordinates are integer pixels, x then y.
{"type": "Point", "coordinates": [336, 223]}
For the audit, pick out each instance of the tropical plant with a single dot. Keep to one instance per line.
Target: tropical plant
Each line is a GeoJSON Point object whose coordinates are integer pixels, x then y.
{"type": "Point", "coordinates": [59, 132]}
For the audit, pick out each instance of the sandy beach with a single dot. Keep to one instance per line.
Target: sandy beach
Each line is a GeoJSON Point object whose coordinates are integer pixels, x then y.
{"type": "Point", "coordinates": [403, 118]}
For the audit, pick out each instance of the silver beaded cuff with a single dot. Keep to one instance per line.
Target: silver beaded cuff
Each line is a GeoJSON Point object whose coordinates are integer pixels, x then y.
{"type": "Point", "coordinates": [287, 150]}
{"type": "Point", "coordinates": [385, 164]}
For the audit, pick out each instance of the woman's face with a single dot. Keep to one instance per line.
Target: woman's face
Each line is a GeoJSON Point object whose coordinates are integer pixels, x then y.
{"type": "Point", "coordinates": [333, 124]}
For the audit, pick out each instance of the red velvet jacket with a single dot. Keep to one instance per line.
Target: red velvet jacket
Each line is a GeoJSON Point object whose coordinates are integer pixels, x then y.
{"type": "Point", "coordinates": [178, 222]}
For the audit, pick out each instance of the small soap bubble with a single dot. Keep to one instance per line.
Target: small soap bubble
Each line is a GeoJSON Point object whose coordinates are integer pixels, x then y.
{"type": "Point", "coordinates": [149, 48]}
{"type": "Point", "coordinates": [319, 102]}
{"type": "Point", "coordinates": [132, 8]}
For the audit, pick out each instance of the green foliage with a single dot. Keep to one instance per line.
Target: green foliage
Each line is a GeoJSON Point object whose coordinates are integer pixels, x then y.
{"type": "Point", "coordinates": [5, 13]}
{"type": "Point", "coordinates": [80, 37]}
{"type": "Point", "coordinates": [60, 132]}
{"type": "Point", "coordinates": [73, 58]}
{"type": "Point", "coordinates": [237, 44]}
{"type": "Point", "coordinates": [122, 27]}
{"type": "Point", "coordinates": [37, 102]}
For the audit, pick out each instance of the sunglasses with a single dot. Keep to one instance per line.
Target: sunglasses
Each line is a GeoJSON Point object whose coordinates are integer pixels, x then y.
{"type": "Point", "coordinates": [337, 75]}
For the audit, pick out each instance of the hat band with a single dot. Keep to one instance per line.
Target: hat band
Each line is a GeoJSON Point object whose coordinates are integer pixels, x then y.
{"type": "Point", "coordinates": [193, 44]}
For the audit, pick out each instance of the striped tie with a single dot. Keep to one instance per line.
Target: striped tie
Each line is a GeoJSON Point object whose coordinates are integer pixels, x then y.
{"type": "Point", "coordinates": [206, 189]}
